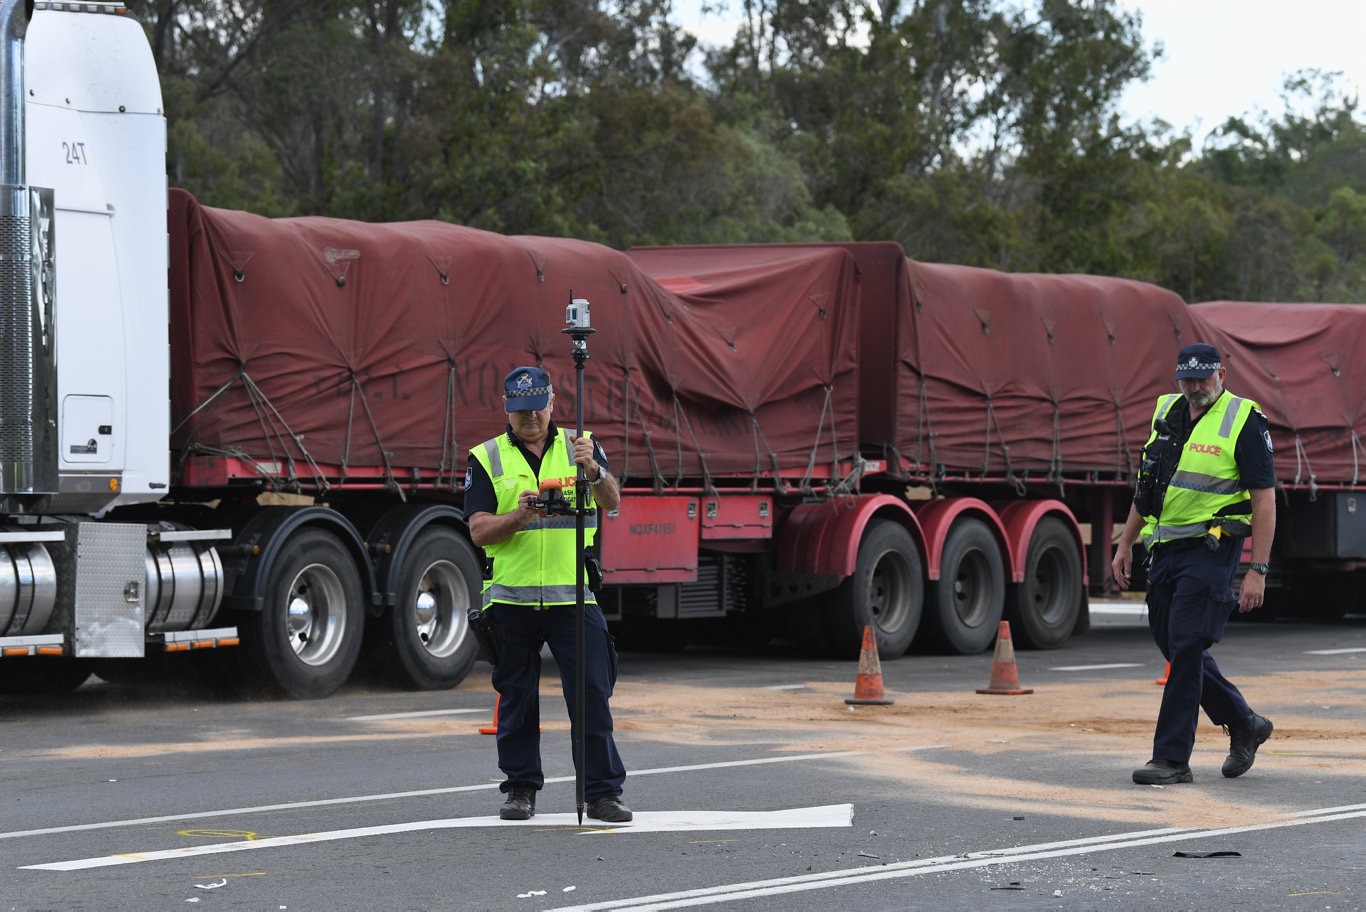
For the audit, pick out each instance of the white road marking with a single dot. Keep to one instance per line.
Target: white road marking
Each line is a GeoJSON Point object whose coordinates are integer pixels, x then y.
{"type": "Point", "coordinates": [1128, 609]}
{"type": "Point", "coordinates": [760, 888]}
{"type": "Point", "coordinates": [1335, 652]}
{"type": "Point", "coordinates": [1096, 667]}
{"type": "Point", "coordinates": [416, 715]}
{"type": "Point", "coordinates": [833, 815]}
{"type": "Point", "coordinates": [421, 793]}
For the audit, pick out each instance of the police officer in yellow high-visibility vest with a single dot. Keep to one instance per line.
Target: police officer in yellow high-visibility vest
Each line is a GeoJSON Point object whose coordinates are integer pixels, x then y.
{"type": "Point", "coordinates": [530, 592]}
{"type": "Point", "coordinates": [1207, 481]}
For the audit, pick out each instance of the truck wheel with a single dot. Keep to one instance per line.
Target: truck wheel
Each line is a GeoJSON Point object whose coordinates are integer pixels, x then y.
{"type": "Point", "coordinates": [1043, 609]}
{"type": "Point", "coordinates": [429, 633]}
{"type": "Point", "coordinates": [886, 592]}
{"type": "Point", "coordinates": [966, 603]}
{"type": "Point", "coordinates": [307, 636]}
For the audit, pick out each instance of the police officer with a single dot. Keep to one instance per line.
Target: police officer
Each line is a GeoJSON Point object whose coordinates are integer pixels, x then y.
{"type": "Point", "coordinates": [1207, 481]}
{"type": "Point", "coordinates": [530, 592]}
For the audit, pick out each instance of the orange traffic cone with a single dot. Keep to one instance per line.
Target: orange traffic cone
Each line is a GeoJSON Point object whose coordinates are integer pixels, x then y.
{"type": "Point", "coordinates": [1005, 677]}
{"type": "Point", "coordinates": [492, 727]}
{"type": "Point", "coordinates": [1166, 674]}
{"type": "Point", "coordinates": [868, 685]}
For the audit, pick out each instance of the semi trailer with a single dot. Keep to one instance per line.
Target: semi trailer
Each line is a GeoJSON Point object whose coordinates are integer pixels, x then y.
{"type": "Point", "coordinates": [225, 430]}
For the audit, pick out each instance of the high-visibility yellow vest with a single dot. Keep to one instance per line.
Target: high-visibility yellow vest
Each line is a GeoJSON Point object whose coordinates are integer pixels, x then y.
{"type": "Point", "coordinates": [1206, 482]}
{"type": "Point", "coordinates": [535, 565]}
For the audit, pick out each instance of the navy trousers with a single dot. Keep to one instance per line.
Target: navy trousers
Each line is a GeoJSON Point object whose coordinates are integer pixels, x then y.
{"type": "Point", "coordinates": [1190, 597]}
{"type": "Point", "coordinates": [517, 678]}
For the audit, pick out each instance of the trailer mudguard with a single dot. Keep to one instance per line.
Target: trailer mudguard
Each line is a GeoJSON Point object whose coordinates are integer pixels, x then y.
{"type": "Point", "coordinates": [937, 516]}
{"type": "Point", "coordinates": [390, 537]}
{"type": "Point", "coordinates": [1019, 519]}
{"type": "Point", "coordinates": [257, 546]}
{"type": "Point", "coordinates": [823, 539]}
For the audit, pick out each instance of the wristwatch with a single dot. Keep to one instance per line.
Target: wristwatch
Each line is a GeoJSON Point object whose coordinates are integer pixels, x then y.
{"type": "Point", "coordinates": [594, 482]}
{"type": "Point", "coordinates": [1260, 567]}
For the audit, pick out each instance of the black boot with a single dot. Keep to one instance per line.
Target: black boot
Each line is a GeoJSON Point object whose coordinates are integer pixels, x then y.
{"type": "Point", "coordinates": [1243, 740]}
{"type": "Point", "coordinates": [520, 803]}
{"type": "Point", "coordinates": [1163, 772]}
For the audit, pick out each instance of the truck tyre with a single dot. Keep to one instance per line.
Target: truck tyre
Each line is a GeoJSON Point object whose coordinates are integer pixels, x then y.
{"type": "Point", "coordinates": [429, 633]}
{"type": "Point", "coordinates": [1043, 609]}
{"type": "Point", "coordinates": [886, 592]}
{"type": "Point", "coordinates": [965, 605]}
{"type": "Point", "coordinates": [307, 636]}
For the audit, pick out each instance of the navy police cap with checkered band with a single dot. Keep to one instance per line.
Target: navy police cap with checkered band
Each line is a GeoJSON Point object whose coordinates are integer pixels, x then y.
{"type": "Point", "coordinates": [1197, 361]}
{"type": "Point", "coordinates": [527, 389]}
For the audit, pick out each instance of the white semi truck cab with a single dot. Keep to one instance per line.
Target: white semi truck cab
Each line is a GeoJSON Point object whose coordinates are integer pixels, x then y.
{"type": "Point", "coordinates": [84, 365]}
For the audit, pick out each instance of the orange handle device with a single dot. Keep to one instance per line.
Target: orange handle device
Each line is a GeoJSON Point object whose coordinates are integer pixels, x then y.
{"type": "Point", "coordinates": [547, 486]}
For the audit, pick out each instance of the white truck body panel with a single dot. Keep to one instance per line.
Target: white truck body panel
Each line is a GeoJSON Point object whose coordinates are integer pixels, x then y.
{"type": "Point", "coordinates": [92, 166]}
{"type": "Point", "coordinates": [97, 137]}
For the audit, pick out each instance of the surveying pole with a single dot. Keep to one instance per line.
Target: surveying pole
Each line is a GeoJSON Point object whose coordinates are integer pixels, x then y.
{"type": "Point", "coordinates": [579, 329]}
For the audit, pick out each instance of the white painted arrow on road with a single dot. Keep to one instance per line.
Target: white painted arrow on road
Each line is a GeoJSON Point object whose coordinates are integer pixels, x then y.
{"type": "Point", "coordinates": [831, 815]}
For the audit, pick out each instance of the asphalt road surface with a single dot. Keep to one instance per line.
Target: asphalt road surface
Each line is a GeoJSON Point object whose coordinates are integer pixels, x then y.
{"type": "Point", "coordinates": [755, 786]}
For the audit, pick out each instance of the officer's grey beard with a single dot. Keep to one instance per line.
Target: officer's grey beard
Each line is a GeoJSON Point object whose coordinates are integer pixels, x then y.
{"type": "Point", "coordinates": [1203, 400]}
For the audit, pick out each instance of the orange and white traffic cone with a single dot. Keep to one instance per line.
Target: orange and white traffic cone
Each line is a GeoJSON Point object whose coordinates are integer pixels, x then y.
{"type": "Point", "coordinates": [868, 684]}
{"type": "Point", "coordinates": [1005, 677]}
{"type": "Point", "coordinates": [492, 727]}
{"type": "Point", "coordinates": [1166, 674]}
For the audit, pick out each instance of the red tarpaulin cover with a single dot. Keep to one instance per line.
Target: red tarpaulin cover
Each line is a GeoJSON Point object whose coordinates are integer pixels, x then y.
{"type": "Point", "coordinates": [1048, 376]}
{"type": "Point", "coordinates": [1305, 364]}
{"type": "Point", "coordinates": [315, 341]}
{"type": "Point", "coordinates": [987, 374]}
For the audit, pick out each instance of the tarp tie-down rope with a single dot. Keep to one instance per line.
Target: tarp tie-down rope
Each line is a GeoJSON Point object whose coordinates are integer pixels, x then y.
{"type": "Point", "coordinates": [848, 485]}
{"type": "Point", "coordinates": [274, 428]}
{"type": "Point", "coordinates": [776, 465]}
{"type": "Point", "coordinates": [1356, 463]}
{"type": "Point", "coordinates": [993, 419]}
{"type": "Point", "coordinates": [1055, 461]}
{"type": "Point", "coordinates": [631, 411]}
{"type": "Point", "coordinates": [681, 421]}
{"type": "Point", "coordinates": [925, 435]}
{"type": "Point", "coordinates": [1302, 466]}
{"type": "Point", "coordinates": [827, 410]}
{"type": "Point", "coordinates": [450, 444]}
{"type": "Point", "coordinates": [358, 393]}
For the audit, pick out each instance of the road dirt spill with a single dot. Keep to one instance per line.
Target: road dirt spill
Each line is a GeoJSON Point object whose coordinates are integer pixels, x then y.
{"type": "Point", "coordinates": [1026, 754]}
{"type": "Point", "coordinates": [1054, 740]}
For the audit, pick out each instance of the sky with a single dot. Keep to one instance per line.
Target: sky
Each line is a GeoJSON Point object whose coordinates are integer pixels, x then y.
{"type": "Point", "coordinates": [1222, 58]}
{"type": "Point", "coordinates": [1226, 58]}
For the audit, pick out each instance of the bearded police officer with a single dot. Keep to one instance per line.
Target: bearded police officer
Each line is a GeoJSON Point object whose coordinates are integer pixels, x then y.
{"type": "Point", "coordinates": [1206, 482]}
{"type": "Point", "coordinates": [530, 592]}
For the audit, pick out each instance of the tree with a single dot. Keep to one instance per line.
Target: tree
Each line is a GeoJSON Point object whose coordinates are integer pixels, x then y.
{"type": "Point", "coordinates": [1337, 271]}
{"type": "Point", "coordinates": [971, 131]}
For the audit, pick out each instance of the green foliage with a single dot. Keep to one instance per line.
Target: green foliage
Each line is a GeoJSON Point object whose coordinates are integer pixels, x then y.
{"type": "Point", "coordinates": [1337, 254]}
{"type": "Point", "coordinates": [974, 131]}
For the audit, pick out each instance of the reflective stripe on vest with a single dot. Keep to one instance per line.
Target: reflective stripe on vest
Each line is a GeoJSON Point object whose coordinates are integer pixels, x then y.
{"type": "Point", "coordinates": [536, 565]}
{"type": "Point", "coordinates": [1206, 481]}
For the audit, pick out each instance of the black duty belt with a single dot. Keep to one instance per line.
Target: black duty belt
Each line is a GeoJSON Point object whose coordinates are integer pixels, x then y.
{"type": "Point", "coordinates": [1178, 544]}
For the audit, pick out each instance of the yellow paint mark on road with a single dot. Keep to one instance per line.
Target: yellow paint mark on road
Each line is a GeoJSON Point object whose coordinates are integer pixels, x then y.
{"type": "Point", "coordinates": [244, 835]}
